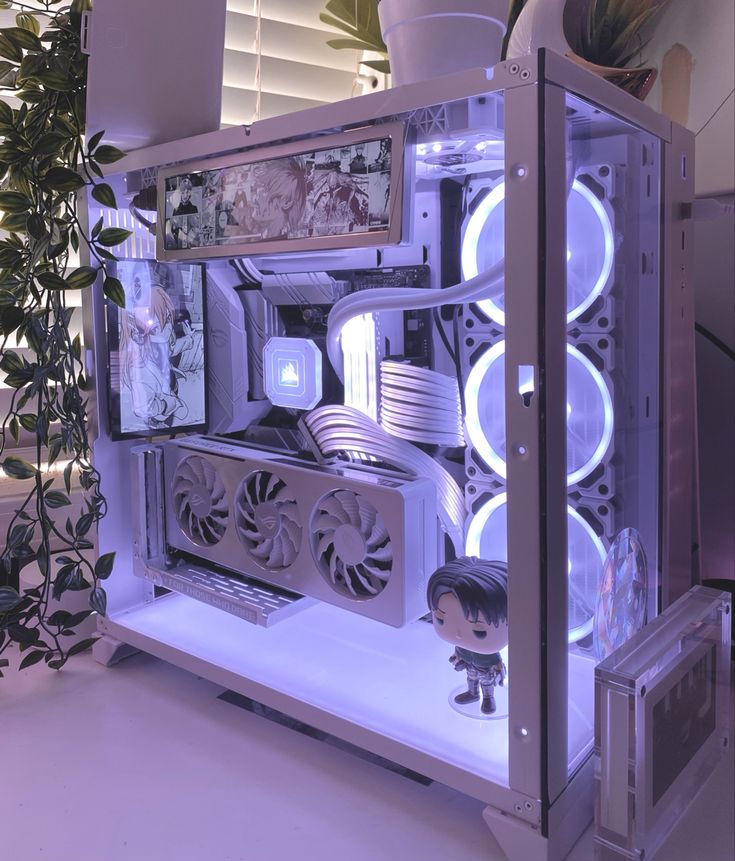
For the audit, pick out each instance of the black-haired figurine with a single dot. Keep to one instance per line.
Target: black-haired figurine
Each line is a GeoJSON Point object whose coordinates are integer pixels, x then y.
{"type": "Point", "coordinates": [468, 598]}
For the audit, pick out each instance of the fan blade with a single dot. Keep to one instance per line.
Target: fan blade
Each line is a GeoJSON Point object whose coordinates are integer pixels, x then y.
{"type": "Point", "coordinates": [219, 519]}
{"type": "Point", "coordinates": [379, 535]}
{"type": "Point", "coordinates": [293, 530]}
{"type": "Point", "coordinates": [208, 532]}
{"type": "Point", "coordinates": [274, 485]}
{"type": "Point", "coordinates": [348, 501]}
{"type": "Point", "coordinates": [327, 523]}
{"type": "Point", "coordinates": [351, 574]}
{"type": "Point", "coordinates": [263, 550]}
{"type": "Point", "coordinates": [365, 581]}
{"type": "Point", "coordinates": [331, 505]}
{"type": "Point", "coordinates": [368, 516]}
{"type": "Point", "coordinates": [288, 546]}
{"type": "Point", "coordinates": [381, 554]}
{"type": "Point", "coordinates": [183, 504]}
{"type": "Point", "coordinates": [284, 496]}
{"type": "Point", "coordinates": [383, 576]}
{"type": "Point", "coordinates": [195, 464]}
{"type": "Point", "coordinates": [325, 542]}
{"type": "Point", "coordinates": [275, 558]}
{"type": "Point", "coordinates": [333, 568]}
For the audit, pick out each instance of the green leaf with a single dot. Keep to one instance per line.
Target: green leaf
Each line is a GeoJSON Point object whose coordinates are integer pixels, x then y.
{"type": "Point", "coordinates": [16, 467]}
{"type": "Point", "coordinates": [22, 38]}
{"type": "Point", "coordinates": [82, 277]}
{"type": "Point", "coordinates": [67, 475]}
{"type": "Point", "coordinates": [28, 421]}
{"type": "Point", "coordinates": [82, 646]}
{"type": "Point", "coordinates": [114, 291]}
{"type": "Point", "coordinates": [103, 194]}
{"type": "Point", "coordinates": [32, 658]}
{"type": "Point", "coordinates": [53, 80]}
{"type": "Point", "coordinates": [9, 50]}
{"type": "Point", "coordinates": [106, 154]}
{"type": "Point", "coordinates": [60, 617]}
{"type": "Point", "coordinates": [6, 113]}
{"type": "Point", "coordinates": [94, 140]}
{"type": "Point", "coordinates": [26, 21]}
{"type": "Point", "coordinates": [56, 499]}
{"type": "Point", "coordinates": [98, 600]}
{"type": "Point", "coordinates": [51, 281]}
{"type": "Point", "coordinates": [78, 618]}
{"type": "Point", "coordinates": [14, 222]}
{"type": "Point", "coordinates": [10, 319]}
{"type": "Point", "coordinates": [63, 179]}
{"type": "Point", "coordinates": [9, 598]}
{"type": "Point", "coordinates": [36, 225]}
{"type": "Point", "coordinates": [103, 566]}
{"type": "Point", "coordinates": [13, 201]}
{"type": "Point", "coordinates": [97, 227]}
{"type": "Point", "coordinates": [49, 144]}
{"type": "Point", "coordinates": [23, 634]}
{"type": "Point", "coordinates": [113, 236]}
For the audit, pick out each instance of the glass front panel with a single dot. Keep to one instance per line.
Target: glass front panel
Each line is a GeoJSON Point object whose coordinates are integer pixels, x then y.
{"type": "Point", "coordinates": [613, 408]}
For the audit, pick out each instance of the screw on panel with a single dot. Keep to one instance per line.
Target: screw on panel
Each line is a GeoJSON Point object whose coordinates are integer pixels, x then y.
{"type": "Point", "coordinates": [518, 808]}
{"type": "Point", "coordinates": [525, 75]}
{"type": "Point", "coordinates": [529, 806]}
{"type": "Point", "coordinates": [514, 68]}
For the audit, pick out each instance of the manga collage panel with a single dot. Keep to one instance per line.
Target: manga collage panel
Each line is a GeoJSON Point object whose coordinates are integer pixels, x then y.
{"type": "Point", "coordinates": [326, 192]}
{"type": "Point", "coordinates": [156, 349]}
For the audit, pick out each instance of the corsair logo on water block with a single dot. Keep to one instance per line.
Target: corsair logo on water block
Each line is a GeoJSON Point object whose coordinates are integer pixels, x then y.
{"type": "Point", "coordinates": [288, 373]}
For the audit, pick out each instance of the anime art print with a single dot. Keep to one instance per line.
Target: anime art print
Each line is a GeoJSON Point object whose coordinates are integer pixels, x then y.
{"type": "Point", "coordinates": [329, 192]}
{"type": "Point", "coordinates": [157, 362]}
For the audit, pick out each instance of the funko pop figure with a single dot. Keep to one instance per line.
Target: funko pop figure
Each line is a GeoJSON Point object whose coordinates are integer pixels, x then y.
{"type": "Point", "coordinates": [468, 598]}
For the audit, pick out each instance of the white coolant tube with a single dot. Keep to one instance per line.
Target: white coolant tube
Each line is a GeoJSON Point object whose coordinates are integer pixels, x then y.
{"type": "Point", "coordinates": [486, 285]}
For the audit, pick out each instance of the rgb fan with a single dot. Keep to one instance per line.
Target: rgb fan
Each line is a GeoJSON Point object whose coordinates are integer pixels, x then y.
{"type": "Point", "coordinates": [487, 537]}
{"type": "Point", "coordinates": [590, 247]}
{"type": "Point", "coordinates": [589, 412]}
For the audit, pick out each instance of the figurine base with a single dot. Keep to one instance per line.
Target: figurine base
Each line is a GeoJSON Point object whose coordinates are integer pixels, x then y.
{"type": "Point", "coordinates": [472, 710]}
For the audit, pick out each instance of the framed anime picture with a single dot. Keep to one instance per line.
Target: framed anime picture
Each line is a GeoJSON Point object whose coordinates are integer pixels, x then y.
{"type": "Point", "coordinates": [157, 353]}
{"type": "Point", "coordinates": [337, 191]}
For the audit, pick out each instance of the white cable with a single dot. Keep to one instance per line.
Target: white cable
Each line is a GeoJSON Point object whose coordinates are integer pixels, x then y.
{"type": "Point", "coordinates": [420, 405]}
{"type": "Point", "coordinates": [486, 285]}
{"type": "Point", "coordinates": [337, 428]}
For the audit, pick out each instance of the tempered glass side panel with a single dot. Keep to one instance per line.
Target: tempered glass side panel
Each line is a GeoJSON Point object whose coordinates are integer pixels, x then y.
{"type": "Point", "coordinates": [613, 397]}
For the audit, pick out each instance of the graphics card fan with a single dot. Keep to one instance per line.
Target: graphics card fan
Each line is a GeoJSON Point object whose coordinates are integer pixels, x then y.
{"type": "Point", "coordinates": [200, 501]}
{"type": "Point", "coordinates": [351, 545]}
{"type": "Point", "coordinates": [268, 522]}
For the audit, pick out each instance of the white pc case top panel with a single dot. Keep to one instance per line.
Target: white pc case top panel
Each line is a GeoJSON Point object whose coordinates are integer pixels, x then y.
{"type": "Point", "coordinates": [361, 540]}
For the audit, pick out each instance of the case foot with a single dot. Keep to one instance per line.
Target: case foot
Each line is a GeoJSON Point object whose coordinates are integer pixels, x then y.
{"type": "Point", "coordinates": [108, 651]}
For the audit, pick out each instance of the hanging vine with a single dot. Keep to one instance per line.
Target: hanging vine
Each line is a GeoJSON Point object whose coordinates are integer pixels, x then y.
{"type": "Point", "coordinates": [45, 165]}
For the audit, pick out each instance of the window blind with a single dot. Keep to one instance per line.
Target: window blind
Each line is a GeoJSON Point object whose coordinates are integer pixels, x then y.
{"type": "Point", "coordinates": [278, 49]}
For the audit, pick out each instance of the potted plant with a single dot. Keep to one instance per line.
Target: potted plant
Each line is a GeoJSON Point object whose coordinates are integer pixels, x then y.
{"type": "Point", "coordinates": [414, 34]}
{"type": "Point", "coordinates": [45, 164]}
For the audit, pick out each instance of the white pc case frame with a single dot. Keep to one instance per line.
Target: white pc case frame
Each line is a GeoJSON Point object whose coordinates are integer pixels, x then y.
{"type": "Point", "coordinates": [541, 810]}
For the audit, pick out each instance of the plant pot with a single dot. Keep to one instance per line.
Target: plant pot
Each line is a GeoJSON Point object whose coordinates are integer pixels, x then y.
{"type": "Point", "coordinates": [429, 38]}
